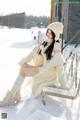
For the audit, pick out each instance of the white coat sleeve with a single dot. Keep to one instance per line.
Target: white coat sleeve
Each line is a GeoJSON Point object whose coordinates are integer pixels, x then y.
{"type": "Point", "coordinates": [29, 57]}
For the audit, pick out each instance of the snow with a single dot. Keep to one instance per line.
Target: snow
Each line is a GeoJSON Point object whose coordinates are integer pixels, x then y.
{"type": "Point", "coordinates": [14, 45]}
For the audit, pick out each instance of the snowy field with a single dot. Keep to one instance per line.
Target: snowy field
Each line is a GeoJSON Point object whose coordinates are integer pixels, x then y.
{"type": "Point", "coordinates": [14, 45]}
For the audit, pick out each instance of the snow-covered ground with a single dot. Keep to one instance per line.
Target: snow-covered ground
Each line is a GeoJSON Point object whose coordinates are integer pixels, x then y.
{"type": "Point", "coordinates": [14, 45]}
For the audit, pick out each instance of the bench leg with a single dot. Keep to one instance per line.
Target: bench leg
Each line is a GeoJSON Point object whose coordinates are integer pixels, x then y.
{"type": "Point", "coordinates": [43, 98]}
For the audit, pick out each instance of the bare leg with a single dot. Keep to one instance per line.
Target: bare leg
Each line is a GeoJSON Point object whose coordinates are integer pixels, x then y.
{"type": "Point", "coordinates": [13, 96]}
{"type": "Point", "coordinates": [29, 71]}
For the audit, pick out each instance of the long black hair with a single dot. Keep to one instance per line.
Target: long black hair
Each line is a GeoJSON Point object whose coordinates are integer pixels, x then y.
{"type": "Point", "coordinates": [49, 49]}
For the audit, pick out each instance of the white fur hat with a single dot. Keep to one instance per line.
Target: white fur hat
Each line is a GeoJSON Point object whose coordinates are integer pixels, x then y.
{"type": "Point", "coordinates": [57, 28]}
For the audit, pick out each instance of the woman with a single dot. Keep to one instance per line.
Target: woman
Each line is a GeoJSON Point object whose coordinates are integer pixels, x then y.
{"type": "Point", "coordinates": [51, 69]}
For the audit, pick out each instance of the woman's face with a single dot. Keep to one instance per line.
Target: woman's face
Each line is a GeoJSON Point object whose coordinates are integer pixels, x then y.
{"type": "Point", "coordinates": [49, 34]}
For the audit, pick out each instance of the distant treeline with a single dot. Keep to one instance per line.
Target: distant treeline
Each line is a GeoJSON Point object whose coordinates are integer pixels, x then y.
{"type": "Point", "coordinates": [20, 20]}
{"type": "Point", "coordinates": [32, 21]}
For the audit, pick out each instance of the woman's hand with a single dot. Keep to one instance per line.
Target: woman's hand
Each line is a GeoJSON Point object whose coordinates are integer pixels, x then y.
{"type": "Point", "coordinates": [24, 65]}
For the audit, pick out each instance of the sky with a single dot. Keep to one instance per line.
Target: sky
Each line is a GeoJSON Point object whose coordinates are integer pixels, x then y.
{"type": "Point", "coordinates": [30, 7]}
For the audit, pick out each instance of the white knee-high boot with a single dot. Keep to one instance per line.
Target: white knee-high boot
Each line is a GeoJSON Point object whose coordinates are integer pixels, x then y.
{"type": "Point", "coordinates": [11, 94]}
{"type": "Point", "coordinates": [17, 85]}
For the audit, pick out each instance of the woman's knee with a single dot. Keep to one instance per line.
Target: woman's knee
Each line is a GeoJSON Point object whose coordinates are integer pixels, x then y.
{"type": "Point", "coordinates": [22, 72]}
